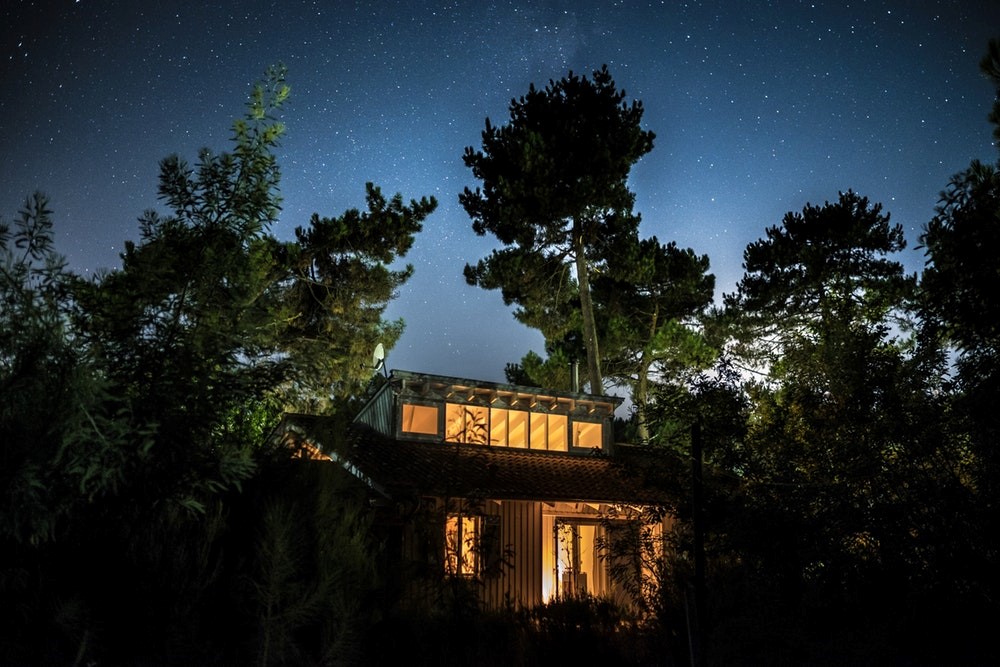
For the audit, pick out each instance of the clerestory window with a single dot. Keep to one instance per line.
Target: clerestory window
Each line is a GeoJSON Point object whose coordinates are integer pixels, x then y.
{"type": "Point", "coordinates": [422, 419]}
{"type": "Point", "coordinates": [502, 427]}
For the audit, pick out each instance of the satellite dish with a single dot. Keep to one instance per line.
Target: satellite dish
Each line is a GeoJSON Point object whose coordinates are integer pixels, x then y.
{"type": "Point", "coordinates": [378, 358]}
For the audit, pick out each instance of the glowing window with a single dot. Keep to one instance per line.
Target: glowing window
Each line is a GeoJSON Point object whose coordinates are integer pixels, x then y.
{"type": "Point", "coordinates": [508, 427]}
{"type": "Point", "coordinates": [557, 432]}
{"type": "Point", "coordinates": [466, 423]}
{"type": "Point", "coordinates": [460, 545]}
{"type": "Point", "coordinates": [539, 427]}
{"type": "Point", "coordinates": [498, 426]}
{"type": "Point", "coordinates": [587, 434]}
{"type": "Point", "coordinates": [517, 428]}
{"type": "Point", "coordinates": [578, 560]}
{"type": "Point", "coordinates": [548, 432]}
{"type": "Point", "coordinates": [420, 419]}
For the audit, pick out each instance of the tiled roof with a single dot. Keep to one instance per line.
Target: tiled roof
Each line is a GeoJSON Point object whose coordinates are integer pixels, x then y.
{"type": "Point", "coordinates": [406, 467]}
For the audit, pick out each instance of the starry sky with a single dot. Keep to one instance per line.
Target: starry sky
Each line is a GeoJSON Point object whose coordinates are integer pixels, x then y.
{"type": "Point", "coordinates": [759, 107]}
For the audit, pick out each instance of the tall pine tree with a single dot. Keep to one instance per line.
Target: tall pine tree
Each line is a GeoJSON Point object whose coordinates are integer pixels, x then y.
{"type": "Point", "coordinates": [554, 193]}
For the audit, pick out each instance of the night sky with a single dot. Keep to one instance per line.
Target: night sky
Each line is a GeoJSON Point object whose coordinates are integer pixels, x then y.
{"type": "Point", "coordinates": [758, 108]}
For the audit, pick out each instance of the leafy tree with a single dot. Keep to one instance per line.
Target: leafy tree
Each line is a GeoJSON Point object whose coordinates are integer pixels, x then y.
{"type": "Point", "coordinates": [554, 194]}
{"type": "Point", "coordinates": [961, 309]}
{"type": "Point", "coordinates": [211, 319]}
{"type": "Point", "coordinates": [61, 442]}
{"type": "Point", "coordinates": [136, 410]}
{"type": "Point", "coordinates": [207, 331]}
{"type": "Point", "coordinates": [844, 445]}
{"type": "Point", "coordinates": [823, 271]}
{"type": "Point", "coordinates": [65, 448]}
{"type": "Point", "coordinates": [341, 285]}
{"type": "Point", "coordinates": [185, 328]}
{"type": "Point", "coordinates": [959, 286]}
{"type": "Point", "coordinates": [532, 371]}
{"type": "Point", "coordinates": [650, 313]}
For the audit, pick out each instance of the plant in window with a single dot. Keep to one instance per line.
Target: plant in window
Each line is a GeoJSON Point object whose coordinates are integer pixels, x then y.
{"type": "Point", "coordinates": [467, 424]}
{"type": "Point", "coordinates": [461, 545]}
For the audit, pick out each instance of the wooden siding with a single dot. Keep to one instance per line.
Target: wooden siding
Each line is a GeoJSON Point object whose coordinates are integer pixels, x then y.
{"type": "Point", "coordinates": [520, 579]}
{"type": "Point", "coordinates": [526, 531]}
{"type": "Point", "coordinates": [380, 412]}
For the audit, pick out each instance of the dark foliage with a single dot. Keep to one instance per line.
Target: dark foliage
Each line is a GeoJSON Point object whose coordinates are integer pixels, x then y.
{"type": "Point", "coordinates": [554, 193]}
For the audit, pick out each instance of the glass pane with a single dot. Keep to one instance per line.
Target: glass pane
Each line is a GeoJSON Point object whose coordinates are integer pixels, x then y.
{"type": "Point", "coordinates": [539, 422]}
{"type": "Point", "coordinates": [465, 423]}
{"type": "Point", "coordinates": [452, 542]}
{"type": "Point", "coordinates": [498, 426]}
{"type": "Point", "coordinates": [557, 433]}
{"type": "Point", "coordinates": [517, 428]}
{"type": "Point", "coordinates": [460, 535]}
{"type": "Point", "coordinates": [568, 558]}
{"type": "Point", "coordinates": [550, 554]}
{"type": "Point", "coordinates": [420, 419]}
{"type": "Point", "coordinates": [587, 579]}
{"type": "Point", "coordinates": [586, 434]}
{"type": "Point", "coordinates": [454, 422]}
{"type": "Point", "coordinates": [468, 552]}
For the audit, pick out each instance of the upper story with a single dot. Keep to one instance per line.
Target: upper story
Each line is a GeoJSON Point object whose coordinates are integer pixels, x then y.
{"type": "Point", "coordinates": [434, 408]}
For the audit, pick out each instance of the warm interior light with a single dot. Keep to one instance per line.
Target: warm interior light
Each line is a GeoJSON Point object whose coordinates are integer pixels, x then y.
{"type": "Point", "coordinates": [517, 428]}
{"type": "Point", "coordinates": [587, 434]}
{"type": "Point", "coordinates": [498, 426]}
{"type": "Point", "coordinates": [466, 423]}
{"type": "Point", "coordinates": [420, 419]}
{"type": "Point", "coordinates": [571, 559]}
{"type": "Point", "coordinates": [460, 545]}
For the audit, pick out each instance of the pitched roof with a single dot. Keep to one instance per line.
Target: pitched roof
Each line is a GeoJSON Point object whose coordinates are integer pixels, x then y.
{"type": "Point", "coordinates": [409, 467]}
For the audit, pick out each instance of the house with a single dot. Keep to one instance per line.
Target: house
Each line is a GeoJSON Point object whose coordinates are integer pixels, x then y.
{"type": "Point", "coordinates": [517, 490]}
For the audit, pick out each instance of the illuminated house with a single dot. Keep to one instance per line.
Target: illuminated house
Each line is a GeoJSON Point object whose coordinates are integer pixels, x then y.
{"type": "Point", "coordinates": [508, 487]}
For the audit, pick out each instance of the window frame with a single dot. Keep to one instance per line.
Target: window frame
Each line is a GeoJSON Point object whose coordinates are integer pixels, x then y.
{"type": "Point", "coordinates": [462, 549]}
{"type": "Point", "coordinates": [420, 405]}
{"type": "Point", "coordinates": [486, 425]}
{"type": "Point", "coordinates": [599, 423]}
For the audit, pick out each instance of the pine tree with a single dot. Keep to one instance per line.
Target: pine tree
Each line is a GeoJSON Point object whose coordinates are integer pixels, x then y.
{"type": "Point", "coordinates": [554, 193]}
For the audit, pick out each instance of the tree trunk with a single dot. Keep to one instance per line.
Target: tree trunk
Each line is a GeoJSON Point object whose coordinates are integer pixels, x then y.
{"type": "Point", "coordinates": [589, 324]}
{"type": "Point", "coordinates": [642, 383]}
{"type": "Point", "coordinates": [640, 398]}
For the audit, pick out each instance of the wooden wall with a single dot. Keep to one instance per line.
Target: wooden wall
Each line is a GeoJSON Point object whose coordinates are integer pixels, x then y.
{"type": "Point", "coordinates": [520, 579]}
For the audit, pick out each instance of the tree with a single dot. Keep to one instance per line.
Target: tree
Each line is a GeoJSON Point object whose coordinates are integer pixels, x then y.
{"type": "Point", "coordinates": [341, 285]}
{"type": "Point", "coordinates": [138, 406]}
{"type": "Point", "coordinates": [554, 194]}
{"type": "Point", "coordinates": [845, 444]}
{"type": "Point", "coordinates": [211, 318]}
{"type": "Point", "coordinates": [649, 315]}
{"type": "Point", "coordinates": [824, 271]}
{"type": "Point", "coordinates": [61, 444]}
{"type": "Point", "coordinates": [960, 308]}
{"type": "Point", "coordinates": [186, 328]}
{"type": "Point", "coordinates": [553, 372]}
{"type": "Point", "coordinates": [960, 284]}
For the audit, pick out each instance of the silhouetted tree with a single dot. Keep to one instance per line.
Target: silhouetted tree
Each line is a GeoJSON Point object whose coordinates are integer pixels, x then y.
{"type": "Point", "coordinates": [137, 409]}
{"type": "Point", "coordinates": [846, 455]}
{"type": "Point", "coordinates": [649, 309]}
{"type": "Point", "coordinates": [554, 194]}
{"type": "Point", "coordinates": [341, 285]}
{"type": "Point", "coordinates": [960, 300]}
{"type": "Point", "coordinates": [61, 441]}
